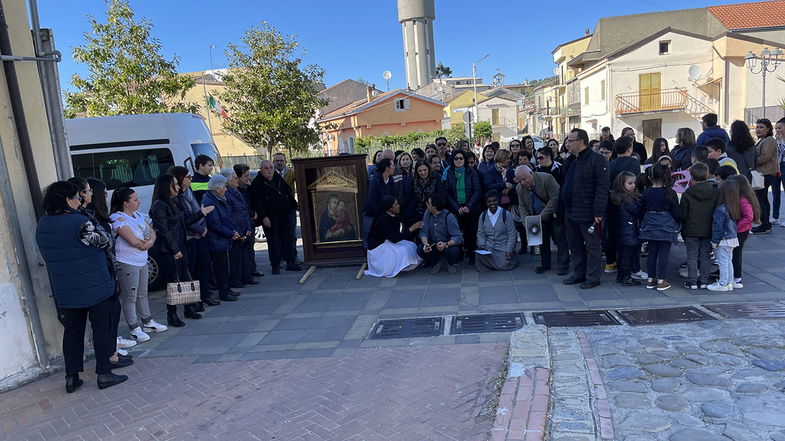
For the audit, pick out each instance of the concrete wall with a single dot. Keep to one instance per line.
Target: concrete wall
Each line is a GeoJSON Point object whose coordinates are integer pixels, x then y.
{"type": "Point", "coordinates": [17, 353]}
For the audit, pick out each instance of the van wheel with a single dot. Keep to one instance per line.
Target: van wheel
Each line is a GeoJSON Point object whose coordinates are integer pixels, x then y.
{"type": "Point", "coordinates": [155, 281]}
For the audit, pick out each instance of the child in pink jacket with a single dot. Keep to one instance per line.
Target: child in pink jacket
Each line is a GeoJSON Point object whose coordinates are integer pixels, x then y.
{"type": "Point", "coordinates": [750, 212]}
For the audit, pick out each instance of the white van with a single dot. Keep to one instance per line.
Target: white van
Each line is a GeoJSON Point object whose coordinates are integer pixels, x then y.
{"type": "Point", "coordinates": [133, 150]}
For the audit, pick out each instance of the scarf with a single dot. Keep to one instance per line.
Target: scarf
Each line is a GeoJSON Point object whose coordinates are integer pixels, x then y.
{"type": "Point", "coordinates": [423, 190]}
{"type": "Point", "coordinates": [460, 185]}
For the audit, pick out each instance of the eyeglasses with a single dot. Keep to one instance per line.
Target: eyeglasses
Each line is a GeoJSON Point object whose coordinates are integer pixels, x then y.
{"type": "Point", "coordinates": [514, 145]}
{"type": "Point", "coordinates": [458, 158]}
{"type": "Point", "coordinates": [540, 158]}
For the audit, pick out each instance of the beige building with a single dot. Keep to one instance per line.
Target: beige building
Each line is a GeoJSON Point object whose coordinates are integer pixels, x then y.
{"type": "Point", "coordinates": [208, 83]}
{"type": "Point", "coordinates": [566, 90]}
{"type": "Point", "coordinates": [30, 334]}
{"type": "Point", "coordinates": [661, 71]}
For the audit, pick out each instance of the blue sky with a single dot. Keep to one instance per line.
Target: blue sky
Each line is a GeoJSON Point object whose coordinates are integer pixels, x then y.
{"type": "Point", "coordinates": [360, 38]}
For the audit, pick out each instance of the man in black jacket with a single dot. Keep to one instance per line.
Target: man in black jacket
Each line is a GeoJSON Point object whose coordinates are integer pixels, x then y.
{"type": "Point", "coordinates": [583, 199]}
{"type": "Point", "coordinates": [273, 202]}
{"type": "Point", "coordinates": [204, 166]}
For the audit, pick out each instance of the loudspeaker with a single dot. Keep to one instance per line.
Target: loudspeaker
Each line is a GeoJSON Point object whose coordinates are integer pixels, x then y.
{"type": "Point", "coordinates": [533, 230]}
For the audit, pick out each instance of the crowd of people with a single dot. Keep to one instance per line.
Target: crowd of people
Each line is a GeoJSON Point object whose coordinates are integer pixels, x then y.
{"type": "Point", "coordinates": [200, 225]}
{"type": "Point", "coordinates": [606, 198]}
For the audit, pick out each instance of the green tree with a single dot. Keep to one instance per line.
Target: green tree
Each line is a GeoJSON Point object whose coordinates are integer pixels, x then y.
{"type": "Point", "coordinates": [442, 71]}
{"type": "Point", "coordinates": [127, 75]}
{"type": "Point", "coordinates": [482, 131]}
{"type": "Point", "coordinates": [270, 98]}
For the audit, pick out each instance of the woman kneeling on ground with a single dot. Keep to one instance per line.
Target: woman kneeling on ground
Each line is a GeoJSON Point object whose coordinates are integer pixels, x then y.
{"type": "Point", "coordinates": [391, 250]}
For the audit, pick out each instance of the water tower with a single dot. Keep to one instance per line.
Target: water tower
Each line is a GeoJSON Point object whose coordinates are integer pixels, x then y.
{"type": "Point", "coordinates": [416, 18]}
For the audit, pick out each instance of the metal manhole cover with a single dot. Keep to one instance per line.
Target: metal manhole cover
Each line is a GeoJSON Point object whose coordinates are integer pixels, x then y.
{"type": "Point", "coordinates": [664, 315]}
{"type": "Point", "coordinates": [575, 318]}
{"type": "Point", "coordinates": [475, 324]}
{"type": "Point", "coordinates": [752, 310]}
{"type": "Point", "coordinates": [405, 328]}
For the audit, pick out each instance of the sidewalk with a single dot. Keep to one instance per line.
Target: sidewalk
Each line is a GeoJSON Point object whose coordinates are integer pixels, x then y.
{"type": "Point", "coordinates": [426, 393]}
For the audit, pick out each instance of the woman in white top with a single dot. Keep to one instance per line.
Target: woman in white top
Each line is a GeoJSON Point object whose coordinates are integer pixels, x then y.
{"type": "Point", "coordinates": [134, 237]}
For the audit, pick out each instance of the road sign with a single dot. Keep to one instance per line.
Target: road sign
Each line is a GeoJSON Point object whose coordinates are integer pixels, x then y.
{"type": "Point", "coordinates": [467, 117]}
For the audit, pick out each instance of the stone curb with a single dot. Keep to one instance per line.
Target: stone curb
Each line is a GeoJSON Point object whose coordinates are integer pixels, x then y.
{"type": "Point", "coordinates": [523, 405]}
{"type": "Point", "coordinates": [601, 409]}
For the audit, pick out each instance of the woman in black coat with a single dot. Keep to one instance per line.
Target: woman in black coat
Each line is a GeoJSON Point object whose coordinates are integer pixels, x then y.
{"type": "Point", "coordinates": [170, 224]}
{"type": "Point", "coordinates": [424, 184]}
{"type": "Point", "coordinates": [463, 195]}
{"type": "Point", "coordinates": [382, 184]}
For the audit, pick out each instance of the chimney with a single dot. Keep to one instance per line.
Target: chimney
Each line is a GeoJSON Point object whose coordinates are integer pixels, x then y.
{"type": "Point", "coordinates": [370, 90]}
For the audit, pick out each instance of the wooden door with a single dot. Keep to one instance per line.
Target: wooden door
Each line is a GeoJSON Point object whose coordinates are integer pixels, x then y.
{"type": "Point", "coordinates": [652, 129]}
{"type": "Point", "coordinates": [649, 85]}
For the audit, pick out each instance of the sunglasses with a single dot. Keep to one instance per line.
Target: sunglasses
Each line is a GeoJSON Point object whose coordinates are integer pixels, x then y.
{"type": "Point", "coordinates": [540, 158]}
{"type": "Point", "coordinates": [515, 145]}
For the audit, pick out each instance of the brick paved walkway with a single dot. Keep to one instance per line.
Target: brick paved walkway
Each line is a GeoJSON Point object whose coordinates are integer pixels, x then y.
{"type": "Point", "coordinates": [433, 393]}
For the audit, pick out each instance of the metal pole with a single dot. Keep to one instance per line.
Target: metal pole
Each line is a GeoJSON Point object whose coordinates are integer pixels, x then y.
{"type": "Point", "coordinates": [763, 92]}
{"type": "Point", "coordinates": [204, 86]}
{"type": "Point", "coordinates": [474, 84]}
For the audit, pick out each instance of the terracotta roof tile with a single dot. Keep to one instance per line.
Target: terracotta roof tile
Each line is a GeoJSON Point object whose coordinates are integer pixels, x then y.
{"type": "Point", "coordinates": [750, 15]}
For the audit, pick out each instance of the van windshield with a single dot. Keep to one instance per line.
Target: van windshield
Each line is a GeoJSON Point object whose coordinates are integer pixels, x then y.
{"type": "Point", "coordinates": [127, 168]}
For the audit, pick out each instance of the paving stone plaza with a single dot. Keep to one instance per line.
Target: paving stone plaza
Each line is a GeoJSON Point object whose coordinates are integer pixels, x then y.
{"type": "Point", "coordinates": [296, 362]}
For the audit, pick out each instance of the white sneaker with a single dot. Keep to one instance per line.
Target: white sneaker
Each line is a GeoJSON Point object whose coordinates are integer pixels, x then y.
{"type": "Point", "coordinates": [774, 221]}
{"type": "Point", "coordinates": [122, 352]}
{"type": "Point", "coordinates": [640, 275]}
{"type": "Point", "coordinates": [153, 326]}
{"type": "Point", "coordinates": [124, 343]}
{"type": "Point", "coordinates": [782, 225]}
{"type": "Point", "coordinates": [737, 284]}
{"type": "Point", "coordinates": [719, 288]}
{"type": "Point", "coordinates": [139, 335]}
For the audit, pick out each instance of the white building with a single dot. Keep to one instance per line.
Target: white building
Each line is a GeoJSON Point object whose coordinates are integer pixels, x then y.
{"type": "Point", "coordinates": [662, 71]}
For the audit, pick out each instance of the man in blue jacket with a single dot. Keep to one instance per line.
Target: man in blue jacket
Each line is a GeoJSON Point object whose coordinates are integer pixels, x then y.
{"type": "Point", "coordinates": [712, 130]}
{"type": "Point", "coordinates": [583, 199]}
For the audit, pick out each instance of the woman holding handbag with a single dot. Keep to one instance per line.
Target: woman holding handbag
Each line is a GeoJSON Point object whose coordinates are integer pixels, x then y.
{"type": "Point", "coordinates": [766, 164]}
{"type": "Point", "coordinates": [169, 223]}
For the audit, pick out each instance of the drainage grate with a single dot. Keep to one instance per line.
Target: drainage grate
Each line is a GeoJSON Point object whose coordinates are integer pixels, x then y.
{"type": "Point", "coordinates": [405, 328]}
{"type": "Point", "coordinates": [752, 310]}
{"type": "Point", "coordinates": [575, 318]}
{"type": "Point", "coordinates": [475, 324]}
{"type": "Point", "coordinates": [665, 315]}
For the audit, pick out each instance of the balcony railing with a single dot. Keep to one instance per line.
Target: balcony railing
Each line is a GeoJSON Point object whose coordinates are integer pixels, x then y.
{"type": "Point", "coordinates": [660, 101]}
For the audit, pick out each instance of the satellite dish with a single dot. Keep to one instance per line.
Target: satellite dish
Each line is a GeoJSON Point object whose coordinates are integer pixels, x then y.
{"type": "Point", "coordinates": [387, 75]}
{"type": "Point", "coordinates": [695, 72]}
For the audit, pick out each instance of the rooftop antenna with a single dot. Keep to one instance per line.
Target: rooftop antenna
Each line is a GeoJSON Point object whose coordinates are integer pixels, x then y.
{"type": "Point", "coordinates": [387, 75]}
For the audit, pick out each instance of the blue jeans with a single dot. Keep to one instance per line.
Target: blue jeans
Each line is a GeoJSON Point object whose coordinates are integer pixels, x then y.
{"type": "Point", "coordinates": [725, 264]}
{"type": "Point", "coordinates": [657, 262]}
{"type": "Point", "coordinates": [775, 192]}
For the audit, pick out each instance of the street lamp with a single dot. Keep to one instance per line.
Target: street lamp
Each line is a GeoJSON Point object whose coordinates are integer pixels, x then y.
{"type": "Point", "coordinates": [474, 83]}
{"type": "Point", "coordinates": [769, 61]}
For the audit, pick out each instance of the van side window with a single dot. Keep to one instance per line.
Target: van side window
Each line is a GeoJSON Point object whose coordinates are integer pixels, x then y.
{"type": "Point", "coordinates": [129, 168]}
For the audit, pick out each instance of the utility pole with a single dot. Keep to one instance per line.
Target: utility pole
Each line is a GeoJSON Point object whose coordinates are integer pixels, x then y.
{"type": "Point", "coordinates": [474, 83]}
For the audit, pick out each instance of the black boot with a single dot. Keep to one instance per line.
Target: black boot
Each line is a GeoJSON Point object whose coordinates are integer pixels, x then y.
{"type": "Point", "coordinates": [72, 383]}
{"type": "Point", "coordinates": [190, 313]}
{"type": "Point", "coordinates": [109, 380]}
{"type": "Point", "coordinates": [173, 320]}
{"type": "Point", "coordinates": [199, 307]}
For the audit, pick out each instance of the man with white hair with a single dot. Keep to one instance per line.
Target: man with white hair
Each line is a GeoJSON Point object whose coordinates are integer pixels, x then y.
{"type": "Point", "coordinates": [273, 202]}
{"type": "Point", "coordinates": [538, 194]}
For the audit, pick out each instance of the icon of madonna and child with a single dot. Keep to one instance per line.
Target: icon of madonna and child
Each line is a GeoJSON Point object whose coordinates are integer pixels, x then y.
{"type": "Point", "coordinates": [338, 219]}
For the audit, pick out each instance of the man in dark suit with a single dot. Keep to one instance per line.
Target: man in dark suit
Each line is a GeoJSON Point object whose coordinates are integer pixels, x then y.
{"type": "Point", "coordinates": [583, 199]}
{"type": "Point", "coordinates": [273, 202]}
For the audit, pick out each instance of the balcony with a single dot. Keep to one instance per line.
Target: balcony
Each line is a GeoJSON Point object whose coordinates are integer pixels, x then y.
{"type": "Point", "coordinates": [666, 100]}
